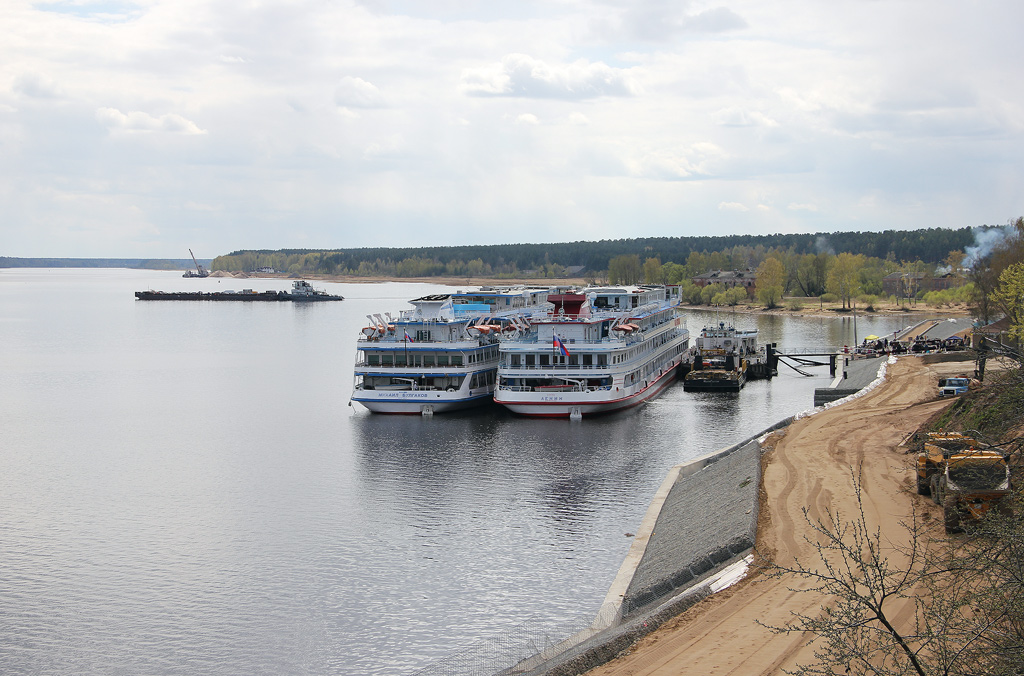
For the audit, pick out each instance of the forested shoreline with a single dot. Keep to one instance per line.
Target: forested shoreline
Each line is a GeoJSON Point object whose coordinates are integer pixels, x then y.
{"type": "Point", "coordinates": [593, 259]}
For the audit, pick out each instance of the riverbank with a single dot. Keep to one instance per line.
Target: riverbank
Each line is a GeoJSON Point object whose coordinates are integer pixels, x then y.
{"type": "Point", "coordinates": [807, 465]}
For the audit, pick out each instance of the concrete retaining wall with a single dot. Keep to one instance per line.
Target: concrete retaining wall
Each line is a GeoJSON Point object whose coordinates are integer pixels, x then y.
{"type": "Point", "coordinates": [702, 519]}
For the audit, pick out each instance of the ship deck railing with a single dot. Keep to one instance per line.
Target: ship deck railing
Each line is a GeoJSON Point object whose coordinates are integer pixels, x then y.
{"type": "Point", "coordinates": [552, 388]}
{"type": "Point", "coordinates": [423, 367]}
{"type": "Point", "coordinates": [400, 388]}
{"type": "Point", "coordinates": [556, 367]}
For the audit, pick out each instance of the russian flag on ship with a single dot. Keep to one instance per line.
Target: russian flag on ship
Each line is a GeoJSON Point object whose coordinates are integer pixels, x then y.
{"type": "Point", "coordinates": [560, 346]}
{"type": "Point", "coordinates": [409, 338]}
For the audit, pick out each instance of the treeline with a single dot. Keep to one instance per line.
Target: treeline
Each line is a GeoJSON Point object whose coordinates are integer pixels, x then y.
{"type": "Point", "coordinates": [592, 259]}
{"type": "Point", "coordinates": [137, 263]}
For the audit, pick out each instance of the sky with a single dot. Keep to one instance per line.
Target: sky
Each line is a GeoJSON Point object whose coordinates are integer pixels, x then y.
{"type": "Point", "coordinates": [145, 128]}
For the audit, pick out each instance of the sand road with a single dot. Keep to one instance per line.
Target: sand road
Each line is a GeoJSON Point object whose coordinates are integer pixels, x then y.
{"type": "Point", "coordinates": [809, 467]}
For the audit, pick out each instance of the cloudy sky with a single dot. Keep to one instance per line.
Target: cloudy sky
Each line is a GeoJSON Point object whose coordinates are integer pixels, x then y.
{"type": "Point", "coordinates": [140, 128]}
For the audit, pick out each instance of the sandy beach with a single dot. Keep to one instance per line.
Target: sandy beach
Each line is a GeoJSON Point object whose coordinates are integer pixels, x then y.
{"type": "Point", "coordinates": [808, 466]}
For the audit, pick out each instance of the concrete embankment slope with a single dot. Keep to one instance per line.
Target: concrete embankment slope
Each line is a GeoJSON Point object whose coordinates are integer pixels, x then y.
{"type": "Point", "coordinates": [702, 519]}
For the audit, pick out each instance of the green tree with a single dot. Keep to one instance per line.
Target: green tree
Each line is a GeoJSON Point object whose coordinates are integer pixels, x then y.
{"type": "Point", "coordinates": [708, 293]}
{"type": "Point", "coordinates": [771, 279]}
{"type": "Point", "coordinates": [689, 292]}
{"type": "Point", "coordinates": [652, 271]}
{"type": "Point", "coordinates": [625, 269]}
{"type": "Point", "coordinates": [735, 295]}
{"type": "Point", "coordinates": [1010, 298]}
{"type": "Point", "coordinates": [673, 273]}
{"type": "Point", "coordinates": [844, 276]}
{"type": "Point", "coordinates": [811, 274]}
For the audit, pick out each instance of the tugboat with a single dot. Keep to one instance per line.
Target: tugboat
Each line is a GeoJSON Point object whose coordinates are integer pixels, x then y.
{"type": "Point", "coordinates": [723, 358]}
{"type": "Point", "coordinates": [303, 292]}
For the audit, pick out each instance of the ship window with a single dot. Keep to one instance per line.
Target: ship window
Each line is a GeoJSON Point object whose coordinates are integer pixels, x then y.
{"type": "Point", "coordinates": [428, 360]}
{"type": "Point", "coordinates": [602, 360]}
{"type": "Point", "coordinates": [514, 359]}
{"type": "Point", "coordinates": [373, 359]}
{"type": "Point", "coordinates": [386, 359]}
{"type": "Point", "coordinates": [442, 360]}
{"type": "Point", "coordinates": [456, 360]}
{"type": "Point", "coordinates": [544, 360]}
{"type": "Point", "coordinates": [588, 360]}
{"type": "Point", "coordinates": [531, 360]}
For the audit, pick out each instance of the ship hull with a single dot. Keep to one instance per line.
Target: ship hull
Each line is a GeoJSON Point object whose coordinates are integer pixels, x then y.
{"type": "Point", "coordinates": [584, 404]}
{"type": "Point", "coordinates": [724, 384]}
{"type": "Point", "coordinates": [418, 403]}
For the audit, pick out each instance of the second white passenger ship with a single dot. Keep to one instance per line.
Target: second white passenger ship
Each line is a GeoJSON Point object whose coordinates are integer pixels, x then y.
{"type": "Point", "coordinates": [597, 351]}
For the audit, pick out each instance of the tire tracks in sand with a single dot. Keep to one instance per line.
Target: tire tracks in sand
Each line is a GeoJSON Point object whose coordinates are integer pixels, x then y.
{"type": "Point", "coordinates": [810, 467]}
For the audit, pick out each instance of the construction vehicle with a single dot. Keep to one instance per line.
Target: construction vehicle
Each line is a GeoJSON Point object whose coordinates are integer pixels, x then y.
{"type": "Point", "coordinates": [965, 477]}
{"type": "Point", "coordinates": [200, 270]}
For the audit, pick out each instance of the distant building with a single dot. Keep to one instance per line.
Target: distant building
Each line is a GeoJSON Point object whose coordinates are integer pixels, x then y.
{"type": "Point", "coordinates": [906, 284]}
{"type": "Point", "coordinates": [729, 278]}
{"type": "Point", "coordinates": [946, 281]}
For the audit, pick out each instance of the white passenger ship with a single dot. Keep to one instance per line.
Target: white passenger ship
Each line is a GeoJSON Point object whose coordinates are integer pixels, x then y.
{"type": "Point", "coordinates": [597, 351]}
{"type": "Point", "coordinates": [442, 354]}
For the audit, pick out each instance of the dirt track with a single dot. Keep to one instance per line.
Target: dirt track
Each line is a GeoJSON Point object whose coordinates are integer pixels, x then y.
{"type": "Point", "coordinates": [809, 467]}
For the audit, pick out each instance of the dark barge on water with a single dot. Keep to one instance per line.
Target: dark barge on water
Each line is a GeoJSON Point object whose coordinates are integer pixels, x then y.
{"type": "Point", "coordinates": [724, 358]}
{"type": "Point", "coordinates": [301, 292]}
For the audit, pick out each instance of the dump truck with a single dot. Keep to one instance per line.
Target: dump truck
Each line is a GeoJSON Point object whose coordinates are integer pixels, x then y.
{"type": "Point", "coordinates": [962, 475]}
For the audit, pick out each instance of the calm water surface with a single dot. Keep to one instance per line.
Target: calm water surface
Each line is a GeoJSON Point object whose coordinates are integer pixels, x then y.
{"type": "Point", "coordinates": [184, 488]}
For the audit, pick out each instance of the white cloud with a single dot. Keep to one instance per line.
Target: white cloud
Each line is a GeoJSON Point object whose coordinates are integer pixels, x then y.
{"type": "Point", "coordinates": [377, 116]}
{"type": "Point", "coordinates": [663, 20]}
{"type": "Point", "coordinates": [521, 75]}
{"type": "Point", "coordinates": [738, 117]}
{"type": "Point", "coordinates": [37, 86]}
{"type": "Point", "coordinates": [355, 92]}
{"type": "Point", "coordinates": [136, 121]}
{"type": "Point", "coordinates": [197, 206]}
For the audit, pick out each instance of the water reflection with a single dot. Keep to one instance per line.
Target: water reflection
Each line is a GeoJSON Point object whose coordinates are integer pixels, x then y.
{"type": "Point", "coordinates": [239, 513]}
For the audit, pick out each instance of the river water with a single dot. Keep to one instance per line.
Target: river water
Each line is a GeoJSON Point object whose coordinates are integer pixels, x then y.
{"type": "Point", "coordinates": [184, 488]}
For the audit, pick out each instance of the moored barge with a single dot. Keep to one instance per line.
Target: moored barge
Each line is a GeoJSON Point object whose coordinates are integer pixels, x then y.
{"type": "Point", "coordinates": [302, 291]}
